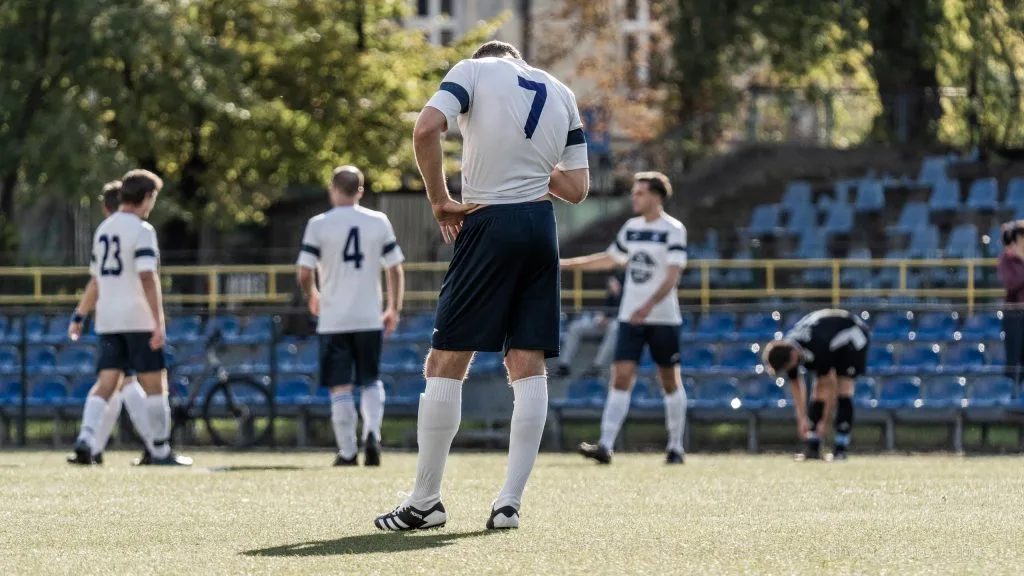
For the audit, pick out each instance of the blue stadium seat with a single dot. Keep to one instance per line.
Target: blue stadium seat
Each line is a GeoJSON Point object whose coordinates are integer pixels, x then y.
{"type": "Point", "coordinates": [697, 359]}
{"type": "Point", "coordinates": [964, 357]}
{"type": "Point", "coordinates": [35, 328]}
{"type": "Point", "coordinates": [933, 170]}
{"type": "Point", "coordinates": [189, 361]}
{"type": "Point", "coordinates": [996, 356]}
{"type": "Point", "coordinates": [12, 335]}
{"type": "Point", "coordinates": [943, 393]}
{"type": "Point", "coordinates": [183, 329]}
{"type": "Point", "coordinates": [10, 360]}
{"type": "Point", "coordinates": [584, 393]}
{"type": "Point", "coordinates": [716, 326]}
{"type": "Point", "coordinates": [228, 324]}
{"type": "Point", "coordinates": [881, 360]}
{"type": "Point", "coordinates": [924, 242]}
{"type": "Point", "coordinates": [293, 391]}
{"type": "Point", "coordinates": [797, 195]}
{"type": "Point", "coordinates": [758, 326]}
{"type": "Point", "coordinates": [763, 393]}
{"type": "Point", "coordinates": [41, 360]}
{"type": "Point", "coordinates": [5, 324]}
{"type": "Point", "coordinates": [257, 330]}
{"type": "Point", "coordinates": [76, 360]}
{"type": "Point", "coordinates": [945, 197]}
{"type": "Point", "coordinates": [963, 242]}
{"type": "Point", "coordinates": [994, 246]}
{"type": "Point", "coordinates": [992, 392]}
{"type": "Point", "coordinates": [287, 357]}
{"type": "Point", "coordinates": [309, 358]}
{"type": "Point", "coordinates": [812, 244]}
{"type": "Point", "coordinates": [983, 195]}
{"type": "Point", "coordinates": [891, 326]}
{"type": "Point", "coordinates": [936, 326]}
{"type": "Point", "coordinates": [646, 395]}
{"type": "Point", "coordinates": [740, 358]}
{"type": "Point", "coordinates": [900, 393]}
{"type": "Point", "coordinates": [865, 393]}
{"type": "Point", "coordinates": [80, 390]}
{"type": "Point", "coordinates": [800, 219]}
{"type": "Point", "coordinates": [414, 328]}
{"type": "Point", "coordinates": [764, 220]}
{"type": "Point", "coordinates": [919, 358]}
{"type": "Point", "coordinates": [839, 220]}
{"type": "Point", "coordinates": [735, 277]}
{"type": "Point", "coordinates": [404, 359]}
{"type": "Point", "coordinates": [488, 363]}
{"type": "Point", "coordinates": [983, 326]}
{"type": "Point", "coordinates": [48, 391]}
{"type": "Point", "coordinates": [870, 196]}
{"type": "Point", "coordinates": [256, 362]}
{"type": "Point", "coordinates": [407, 390]}
{"type": "Point", "coordinates": [856, 276]}
{"type": "Point", "coordinates": [1015, 194]}
{"type": "Point", "coordinates": [913, 216]}
{"type": "Point", "coordinates": [56, 330]}
{"type": "Point", "coordinates": [10, 393]}
{"type": "Point", "coordinates": [716, 394]}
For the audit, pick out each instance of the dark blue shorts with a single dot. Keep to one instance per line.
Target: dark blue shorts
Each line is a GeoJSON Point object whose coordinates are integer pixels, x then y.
{"type": "Point", "coordinates": [662, 340]}
{"type": "Point", "coordinates": [350, 358]}
{"type": "Point", "coordinates": [502, 287]}
{"type": "Point", "coordinates": [129, 352]}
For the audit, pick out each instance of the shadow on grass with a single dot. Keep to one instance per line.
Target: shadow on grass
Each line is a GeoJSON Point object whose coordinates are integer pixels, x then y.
{"type": "Point", "coordinates": [253, 468]}
{"type": "Point", "coordinates": [369, 543]}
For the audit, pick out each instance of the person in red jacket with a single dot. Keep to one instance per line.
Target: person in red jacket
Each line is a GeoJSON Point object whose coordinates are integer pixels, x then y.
{"type": "Point", "coordinates": [1011, 274]}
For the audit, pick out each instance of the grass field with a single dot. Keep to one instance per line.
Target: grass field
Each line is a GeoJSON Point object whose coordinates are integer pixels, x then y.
{"type": "Point", "coordinates": [290, 513]}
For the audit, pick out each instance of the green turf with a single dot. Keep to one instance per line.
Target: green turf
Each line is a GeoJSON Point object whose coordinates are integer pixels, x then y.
{"type": "Point", "coordinates": [289, 513]}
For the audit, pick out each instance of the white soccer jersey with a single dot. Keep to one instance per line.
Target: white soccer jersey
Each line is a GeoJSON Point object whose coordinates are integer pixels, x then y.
{"type": "Point", "coordinates": [648, 249]}
{"type": "Point", "coordinates": [351, 245]}
{"type": "Point", "coordinates": [517, 124]}
{"type": "Point", "coordinates": [123, 247]}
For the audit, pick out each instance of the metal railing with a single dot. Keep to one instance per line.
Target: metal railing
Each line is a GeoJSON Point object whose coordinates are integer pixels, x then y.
{"type": "Point", "coordinates": [216, 286]}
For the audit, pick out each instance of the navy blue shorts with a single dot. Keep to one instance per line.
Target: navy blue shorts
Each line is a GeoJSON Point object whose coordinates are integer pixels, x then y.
{"type": "Point", "coordinates": [502, 287]}
{"type": "Point", "coordinates": [129, 352]}
{"type": "Point", "coordinates": [662, 340]}
{"type": "Point", "coordinates": [350, 358]}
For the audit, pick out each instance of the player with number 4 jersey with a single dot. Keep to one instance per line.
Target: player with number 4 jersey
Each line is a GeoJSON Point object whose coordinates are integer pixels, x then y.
{"type": "Point", "coordinates": [349, 245]}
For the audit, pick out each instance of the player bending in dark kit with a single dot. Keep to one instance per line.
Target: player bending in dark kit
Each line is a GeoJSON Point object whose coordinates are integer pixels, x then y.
{"type": "Point", "coordinates": [832, 344]}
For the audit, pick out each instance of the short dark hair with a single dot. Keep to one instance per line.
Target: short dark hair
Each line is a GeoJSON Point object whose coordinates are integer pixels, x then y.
{"type": "Point", "coordinates": [497, 49]}
{"type": "Point", "coordinates": [779, 356]}
{"type": "Point", "coordinates": [1012, 230]}
{"type": "Point", "coordinates": [137, 184]}
{"type": "Point", "coordinates": [656, 182]}
{"type": "Point", "coordinates": [348, 180]}
{"type": "Point", "coordinates": [111, 196]}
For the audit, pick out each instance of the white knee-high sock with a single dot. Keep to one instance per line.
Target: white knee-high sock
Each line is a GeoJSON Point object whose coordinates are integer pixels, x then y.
{"type": "Point", "coordinates": [675, 419]}
{"type": "Point", "coordinates": [439, 417]}
{"type": "Point", "coordinates": [615, 410]}
{"type": "Point", "coordinates": [92, 414]}
{"type": "Point", "coordinates": [110, 415]}
{"type": "Point", "coordinates": [371, 408]}
{"type": "Point", "coordinates": [528, 417]}
{"type": "Point", "coordinates": [159, 416]}
{"type": "Point", "coordinates": [343, 418]}
{"type": "Point", "coordinates": [134, 398]}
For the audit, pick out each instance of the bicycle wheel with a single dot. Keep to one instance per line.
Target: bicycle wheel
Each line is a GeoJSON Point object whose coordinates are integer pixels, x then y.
{"type": "Point", "coordinates": [237, 412]}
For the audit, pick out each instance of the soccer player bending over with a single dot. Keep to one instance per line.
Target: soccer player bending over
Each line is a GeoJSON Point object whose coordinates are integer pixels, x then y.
{"type": "Point", "coordinates": [128, 390]}
{"type": "Point", "coordinates": [652, 246]}
{"type": "Point", "coordinates": [130, 318]}
{"type": "Point", "coordinates": [833, 344]}
{"type": "Point", "coordinates": [350, 245]}
{"type": "Point", "coordinates": [522, 140]}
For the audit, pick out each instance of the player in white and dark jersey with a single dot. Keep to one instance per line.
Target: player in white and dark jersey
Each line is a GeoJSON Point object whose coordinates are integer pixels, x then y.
{"type": "Point", "coordinates": [350, 245]}
{"type": "Point", "coordinates": [833, 344]}
{"type": "Point", "coordinates": [652, 246]}
{"type": "Point", "coordinates": [128, 392]}
{"type": "Point", "coordinates": [522, 142]}
{"type": "Point", "coordinates": [130, 317]}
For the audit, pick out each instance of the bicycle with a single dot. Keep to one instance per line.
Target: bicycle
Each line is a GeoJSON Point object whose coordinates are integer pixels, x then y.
{"type": "Point", "coordinates": [235, 408]}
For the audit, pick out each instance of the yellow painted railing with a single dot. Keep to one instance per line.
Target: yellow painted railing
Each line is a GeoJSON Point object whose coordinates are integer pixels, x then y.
{"type": "Point", "coordinates": [213, 286]}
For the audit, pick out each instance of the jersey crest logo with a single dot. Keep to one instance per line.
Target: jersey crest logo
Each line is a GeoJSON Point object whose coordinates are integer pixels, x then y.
{"type": "Point", "coordinates": [641, 267]}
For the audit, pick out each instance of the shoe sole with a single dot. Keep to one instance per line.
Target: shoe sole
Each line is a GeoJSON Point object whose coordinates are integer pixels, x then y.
{"type": "Point", "coordinates": [594, 457]}
{"type": "Point", "coordinates": [441, 525]}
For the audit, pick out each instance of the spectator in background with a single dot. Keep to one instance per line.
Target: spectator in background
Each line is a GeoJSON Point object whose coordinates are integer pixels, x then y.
{"type": "Point", "coordinates": [593, 325]}
{"type": "Point", "coordinates": [1011, 274]}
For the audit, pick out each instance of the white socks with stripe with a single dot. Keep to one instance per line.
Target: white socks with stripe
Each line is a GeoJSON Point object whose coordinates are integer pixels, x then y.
{"type": "Point", "coordinates": [92, 415]}
{"type": "Point", "coordinates": [110, 415]}
{"type": "Point", "coordinates": [343, 418]}
{"type": "Point", "coordinates": [158, 413]}
{"type": "Point", "coordinates": [615, 410]}
{"type": "Point", "coordinates": [371, 408]}
{"type": "Point", "coordinates": [675, 419]}
{"type": "Point", "coordinates": [527, 429]}
{"type": "Point", "coordinates": [440, 414]}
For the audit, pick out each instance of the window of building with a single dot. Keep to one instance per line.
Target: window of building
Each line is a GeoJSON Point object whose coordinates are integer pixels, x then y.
{"type": "Point", "coordinates": [447, 36]}
{"type": "Point", "coordinates": [423, 7]}
{"type": "Point", "coordinates": [446, 7]}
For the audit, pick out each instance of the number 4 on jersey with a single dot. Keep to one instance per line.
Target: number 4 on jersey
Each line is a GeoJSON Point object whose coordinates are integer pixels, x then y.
{"type": "Point", "coordinates": [351, 252]}
{"type": "Point", "coordinates": [537, 107]}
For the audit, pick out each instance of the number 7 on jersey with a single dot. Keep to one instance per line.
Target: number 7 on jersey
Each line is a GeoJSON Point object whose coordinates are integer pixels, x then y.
{"type": "Point", "coordinates": [539, 98]}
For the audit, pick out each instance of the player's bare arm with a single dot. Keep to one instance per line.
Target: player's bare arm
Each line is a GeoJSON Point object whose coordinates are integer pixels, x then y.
{"type": "Point", "coordinates": [667, 286]}
{"type": "Point", "coordinates": [571, 186]}
{"type": "Point", "coordinates": [396, 293]}
{"type": "Point", "coordinates": [799, 404]}
{"type": "Point", "coordinates": [154, 297]}
{"type": "Point", "coordinates": [85, 305]}
{"type": "Point", "coordinates": [597, 262]}
{"type": "Point", "coordinates": [426, 140]}
{"type": "Point", "coordinates": [309, 290]}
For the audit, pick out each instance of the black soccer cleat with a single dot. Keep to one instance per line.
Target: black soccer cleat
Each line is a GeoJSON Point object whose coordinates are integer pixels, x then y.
{"type": "Point", "coordinates": [596, 452]}
{"type": "Point", "coordinates": [405, 517]}
{"type": "Point", "coordinates": [812, 452]}
{"type": "Point", "coordinates": [82, 455]}
{"type": "Point", "coordinates": [673, 457]}
{"type": "Point", "coordinates": [504, 518]}
{"type": "Point", "coordinates": [840, 453]}
{"type": "Point", "coordinates": [371, 451]}
{"type": "Point", "coordinates": [98, 459]}
{"type": "Point", "coordinates": [171, 460]}
{"type": "Point", "coordinates": [339, 461]}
